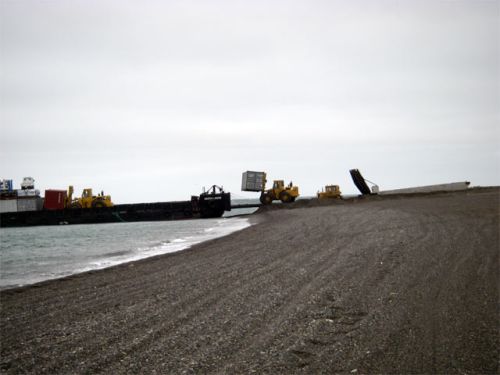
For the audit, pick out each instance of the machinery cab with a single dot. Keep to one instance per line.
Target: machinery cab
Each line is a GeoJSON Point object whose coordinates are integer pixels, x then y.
{"type": "Point", "coordinates": [28, 183]}
{"type": "Point", "coordinates": [278, 185]}
{"type": "Point", "coordinates": [333, 189]}
{"type": "Point", "coordinates": [87, 193]}
{"type": "Point", "coordinates": [87, 198]}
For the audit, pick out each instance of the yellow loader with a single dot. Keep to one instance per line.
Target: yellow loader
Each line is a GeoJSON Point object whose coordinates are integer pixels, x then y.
{"type": "Point", "coordinates": [286, 194]}
{"type": "Point", "coordinates": [88, 200]}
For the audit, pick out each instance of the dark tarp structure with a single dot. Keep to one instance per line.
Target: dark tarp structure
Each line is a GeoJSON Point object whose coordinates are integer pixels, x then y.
{"type": "Point", "coordinates": [360, 182]}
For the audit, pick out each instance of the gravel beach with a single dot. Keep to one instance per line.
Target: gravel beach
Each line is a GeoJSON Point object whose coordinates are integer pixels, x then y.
{"type": "Point", "coordinates": [391, 285]}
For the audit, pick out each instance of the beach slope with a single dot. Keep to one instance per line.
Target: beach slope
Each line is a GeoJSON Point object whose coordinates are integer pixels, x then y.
{"type": "Point", "coordinates": [377, 285]}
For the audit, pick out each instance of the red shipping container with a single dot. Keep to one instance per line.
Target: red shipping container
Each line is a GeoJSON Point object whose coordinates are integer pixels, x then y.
{"type": "Point", "coordinates": [54, 199]}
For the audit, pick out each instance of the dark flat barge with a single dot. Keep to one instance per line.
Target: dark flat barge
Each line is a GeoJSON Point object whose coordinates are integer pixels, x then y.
{"type": "Point", "coordinates": [210, 204]}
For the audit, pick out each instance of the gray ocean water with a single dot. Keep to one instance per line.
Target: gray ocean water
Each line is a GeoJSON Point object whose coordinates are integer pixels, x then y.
{"type": "Point", "coordinates": [33, 254]}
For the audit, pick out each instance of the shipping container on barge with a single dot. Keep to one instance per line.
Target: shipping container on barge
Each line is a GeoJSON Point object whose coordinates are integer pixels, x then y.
{"type": "Point", "coordinates": [209, 204]}
{"type": "Point", "coordinates": [19, 200]}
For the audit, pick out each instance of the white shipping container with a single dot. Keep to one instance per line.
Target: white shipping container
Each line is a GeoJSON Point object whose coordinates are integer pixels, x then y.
{"type": "Point", "coordinates": [253, 181]}
{"type": "Point", "coordinates": [29, 204]}
{"type": "Point", "coordinates": [28, 193]}
{"type": "Point", "coordinates": [8, 205]}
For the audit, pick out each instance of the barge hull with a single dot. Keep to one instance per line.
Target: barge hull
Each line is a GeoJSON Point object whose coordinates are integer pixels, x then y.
{"type": "Point", "coordinates": [209, 204]}
{"type": "Point", "coordinates": [116, 214]}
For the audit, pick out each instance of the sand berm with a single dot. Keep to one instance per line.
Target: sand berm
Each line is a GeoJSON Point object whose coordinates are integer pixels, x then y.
{"type": "Point", "coordinates": [391, 285]}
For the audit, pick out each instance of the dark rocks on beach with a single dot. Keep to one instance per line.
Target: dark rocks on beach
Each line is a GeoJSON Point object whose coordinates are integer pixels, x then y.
{"type": "Point", "coordinates": [377, 285]}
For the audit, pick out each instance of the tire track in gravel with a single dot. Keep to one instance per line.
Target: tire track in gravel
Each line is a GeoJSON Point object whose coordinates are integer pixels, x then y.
{"type": "Point", "coordinates": [349, 317]}
{"type": "Point", "coordinates": [429, 315]}
{"type": "Point", "coordinates": [265, 334]}
{"type": "Point", "coordinates": [188, 305]}
{"type": "Point", "coordinates": [230, 296]}
{"type": "Point", "coordinates": [191, 309]}
{"type": "Point", "coordinates": [260, 329]}
{"type": "Point", "coordinates": [250, 280]}
{"type": "Point", "coordinates": [342, 324]}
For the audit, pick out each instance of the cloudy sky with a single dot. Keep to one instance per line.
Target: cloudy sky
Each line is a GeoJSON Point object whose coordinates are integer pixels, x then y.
{"type": "Point", "coordinates": [152, 100]}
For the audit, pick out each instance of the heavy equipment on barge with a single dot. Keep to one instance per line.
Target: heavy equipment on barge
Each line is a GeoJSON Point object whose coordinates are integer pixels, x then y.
{"type": "Point", "coordinates": [88, 199]}
{"type": "Point", "coordinates": [60, 210]}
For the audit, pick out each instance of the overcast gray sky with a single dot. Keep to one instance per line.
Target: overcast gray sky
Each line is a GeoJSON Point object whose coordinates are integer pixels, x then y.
{"type": "Point", "coordinates": [152, 100]}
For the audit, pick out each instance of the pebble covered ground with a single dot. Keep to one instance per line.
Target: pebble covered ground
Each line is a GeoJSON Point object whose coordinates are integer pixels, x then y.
{"type": "Point", "coordinates": [376, 285]}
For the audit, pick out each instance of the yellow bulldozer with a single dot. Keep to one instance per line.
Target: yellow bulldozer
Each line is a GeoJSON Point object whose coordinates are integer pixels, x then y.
{"type": "Point", "coordinates": [88, 200]}
{"type": "Point", "coordinates": [330, 191]}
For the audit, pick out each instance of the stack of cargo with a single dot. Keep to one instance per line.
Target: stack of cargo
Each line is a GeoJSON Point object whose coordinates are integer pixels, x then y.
{"type": "Point", "coordinates": [28, 198]}
{"type": "Point", "coordinates": [25, 199]}
{"type": "Point", "coordinates": [5, 186]}
{"type": "Point", "coordinates": [253, 181]}
{"type": "Point", "coordinates": [8, 197]}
